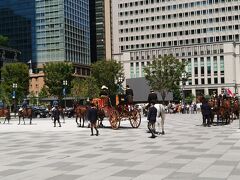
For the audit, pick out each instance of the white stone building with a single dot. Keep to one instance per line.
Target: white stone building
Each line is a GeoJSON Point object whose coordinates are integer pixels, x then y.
{"type": "Point", "coordinates": [203, 32]}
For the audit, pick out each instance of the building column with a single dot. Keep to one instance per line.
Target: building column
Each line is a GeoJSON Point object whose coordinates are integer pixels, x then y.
{"type": "Point", "coordinates": [194, 93]}
{"type": "Point", "coordinates": [206, 91]}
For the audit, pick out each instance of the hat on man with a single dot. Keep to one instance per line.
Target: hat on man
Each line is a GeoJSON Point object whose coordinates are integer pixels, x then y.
{"type": "Point", "coordinates": [104, 87]}
{"type": "Point", "coordinates": [151, 90]}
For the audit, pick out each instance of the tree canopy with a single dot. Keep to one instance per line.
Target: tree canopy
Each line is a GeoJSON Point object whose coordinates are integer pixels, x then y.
{"type": "Point", "coordinates": [107, 73]}
{"type": "Point", "coordinates": [55, 74]}
{"type": "Point", "coordinates": [164, 74]}
{"type": "Point", "coordinates": [14, 73]}
{"type": "Point", "coordinates": [3, 40]}
{"type": "Point", "coordinates": [85, 87]}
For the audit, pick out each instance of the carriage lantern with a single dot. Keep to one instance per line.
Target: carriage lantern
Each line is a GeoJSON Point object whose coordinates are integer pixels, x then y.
{"type": "Point", "coordinates": [120, 81]}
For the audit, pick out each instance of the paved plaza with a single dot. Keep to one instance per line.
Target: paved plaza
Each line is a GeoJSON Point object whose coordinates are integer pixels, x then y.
{"type": "Point", "coordinates": [187, 151]}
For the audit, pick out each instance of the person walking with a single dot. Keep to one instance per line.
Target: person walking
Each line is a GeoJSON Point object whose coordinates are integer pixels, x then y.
{"type": "Point", "coordinates": [152, 116]}
{"type": "Point", "coordinates": [206, 111]}
{"type": "Point", "coordinates": [56, 115]}
{"type": "Point", "coordinates": [92, 117]}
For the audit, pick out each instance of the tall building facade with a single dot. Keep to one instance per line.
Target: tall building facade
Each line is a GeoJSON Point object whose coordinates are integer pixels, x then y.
{"type": "Point", "coordinates": [204, 33]}
{"type": "Point", "coordinates": [62, 31]}
{"type": "Point", "coordinates": [100, 22]}
{"type": "Point", "coordinates": [48, 31]}
{"type": "Point", "coordinates": [17, 22]}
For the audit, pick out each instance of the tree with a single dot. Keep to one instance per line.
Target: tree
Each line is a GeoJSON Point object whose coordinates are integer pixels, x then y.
{"type": "Point", "coordinates": [189, 99]}
{"type": "Point", "coordinates": [43, 93]}
{"type": "Point", "coordinates": [177, 94]}
{"type": "Point", "coordinates": [85, 87]}
{"type": "Point", "coordinates": [55, 74]}
{"type": "Point", "coordinates": [3, 40]}
{"type": "Point", "coordinates": [32, 98]}
{"type": "Point", "coordinates": [164, 74]}
{"type": "Point", "coordinates": [14, 73]}
{"type": "Point", "coordinates": [107, 73]}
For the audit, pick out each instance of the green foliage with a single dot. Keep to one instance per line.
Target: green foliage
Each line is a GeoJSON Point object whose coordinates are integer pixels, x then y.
{"type": "Point", "coordinates": [43, 93]}
{"type": "Point", "coordinates": [55, 74]}
{"type": "Point", "coordinates": [189, 99]}
{"type": "Point", "coordinates": [107, 73]}
{"type": "Point", "coordinates": [3, 40]}
{"type": "Point", "coordinates": [32, 98]}
{"type": "Point", "coordinates": [14, 73]}
{"type": "Point", "coordinates": [85, 88]}
{"type": "Point", "coordinates": [177, 94]}
{"type": "Point", "coordinates": [164, 74]}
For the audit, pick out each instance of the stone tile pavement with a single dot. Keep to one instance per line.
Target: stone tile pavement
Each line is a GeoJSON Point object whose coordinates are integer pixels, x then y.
{"type": "Point", "coordinates": [188, 151]}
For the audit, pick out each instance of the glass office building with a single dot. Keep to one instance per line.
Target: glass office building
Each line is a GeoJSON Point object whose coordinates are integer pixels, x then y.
{"type": "Point", "coordinates": [62, 31]}
{"type": "Point", "coordinates": [17, 21]}
{"type": "Point", "coordinates": [47, 30]}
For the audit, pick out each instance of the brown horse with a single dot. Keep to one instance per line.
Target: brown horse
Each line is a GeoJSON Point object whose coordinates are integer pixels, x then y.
{"type": "Point", "coordinates": [5, 112]}
{"type": "Point", "coordinates": [235, 109]}
{"type": "Point", "coordinates": [81, 113]}
{"type": "Point", "coordinates": [25, 113]}
{"type": "Point", "coordinates": [225, 111]}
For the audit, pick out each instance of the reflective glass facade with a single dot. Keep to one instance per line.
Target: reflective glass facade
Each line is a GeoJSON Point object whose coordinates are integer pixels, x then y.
{"type": "Point", "coordinates": [47, 30]}
{"type": "Point", "coordinates": [62, 31]}
{"type": "Point", "coordinates": [17, 21]}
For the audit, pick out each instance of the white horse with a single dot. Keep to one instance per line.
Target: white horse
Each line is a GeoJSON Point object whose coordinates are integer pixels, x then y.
{"type": "Point", "coordinates": [161, 115]}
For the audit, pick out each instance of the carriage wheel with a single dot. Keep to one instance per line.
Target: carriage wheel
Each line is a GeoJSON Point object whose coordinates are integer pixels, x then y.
{"type": "Point", "coordinates": [114, 119]}
{"type": "Point", "coordinates": [135, 119]}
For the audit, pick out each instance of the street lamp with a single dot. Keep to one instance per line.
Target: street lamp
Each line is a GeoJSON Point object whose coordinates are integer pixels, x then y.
{"type": "Point", "coordinates": [14, 96]}
{"type": "Point", "coordinates": [184, 79]}
{"type": "Point", "coordinates": [120, 81]}
{"type": "Point", "coordinates": [65, 83]}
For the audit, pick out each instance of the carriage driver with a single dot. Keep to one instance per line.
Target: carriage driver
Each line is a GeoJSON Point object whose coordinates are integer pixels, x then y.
{"type": "Point", "coordinates": [104, 96]}
{"type": "Point", "coordinates": [104, 91]}
{"type": "Point", "coordinates": [129, 97]}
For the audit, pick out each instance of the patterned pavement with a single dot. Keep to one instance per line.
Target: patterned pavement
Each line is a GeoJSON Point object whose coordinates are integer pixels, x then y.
{"type": "Point", "coordinates": [188, 151]}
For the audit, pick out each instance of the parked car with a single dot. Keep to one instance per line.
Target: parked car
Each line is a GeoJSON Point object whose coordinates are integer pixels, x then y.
{"type": "Point", "coordinates": [39, 112]}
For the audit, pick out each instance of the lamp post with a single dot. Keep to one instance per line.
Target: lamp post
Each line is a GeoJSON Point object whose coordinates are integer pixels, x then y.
{"type": "Point", "coordinates": [65, 83]}
{"type": "Point", "coordinates": [14, 96]}
{"type": "Point", "coordinates": [184, 79]}
{"type": "Point", "coordinates": [120, 81]}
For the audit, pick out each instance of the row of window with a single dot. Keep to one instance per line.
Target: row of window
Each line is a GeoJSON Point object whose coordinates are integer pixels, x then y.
{"type": "Point", "coordinates": [203, 31]}
{"type": "Point", "coordinates": [175, 6]}
{"type": "Point", "coordinates": [212, 48]}
{"type": "Point", "coordinates": [210, 67]}
{"type": "Point", "coordinates": [180, 23]}
{"type": "Point", "coordinates": [181, 42]}
{"type": "Point", "coordinates": [224, 9]}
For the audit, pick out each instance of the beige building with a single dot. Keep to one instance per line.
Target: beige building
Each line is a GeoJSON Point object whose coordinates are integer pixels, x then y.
{"type": "Point", "coordinates": [203, 33]}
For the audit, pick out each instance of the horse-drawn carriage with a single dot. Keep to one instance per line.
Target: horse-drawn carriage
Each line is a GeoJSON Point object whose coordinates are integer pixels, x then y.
{"type": "Point", "coordinates": [118, 113]}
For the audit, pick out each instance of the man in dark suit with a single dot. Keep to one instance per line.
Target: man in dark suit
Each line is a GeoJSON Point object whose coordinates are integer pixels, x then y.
{"type": "Point", "coordinates": [152, 97]}
{"type": "Point", "coordinates": [206, 112]}
{"type": "Point", "coordinates": [152, 115]}
{"type": "Point", "coordinates": [92, 117]}
{"type": "Point", "coordinates": [56, 115]}
{"type": "Point", "coordinates": [129, 97]}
